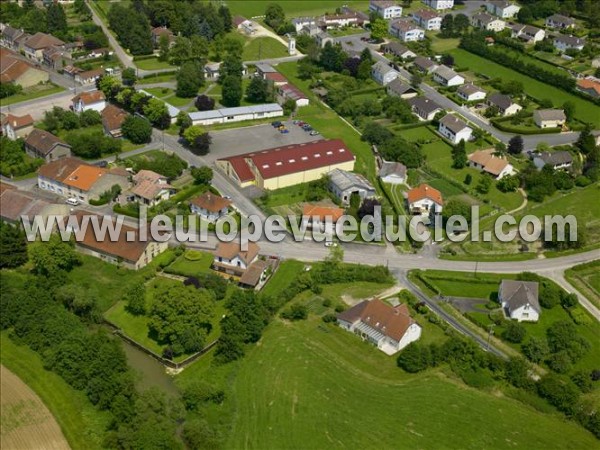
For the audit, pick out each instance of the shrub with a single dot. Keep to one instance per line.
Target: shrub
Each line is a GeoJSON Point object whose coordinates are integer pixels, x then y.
{"type": "Point", "coordinates": [201, 392]}
{"type": "Point", "coordinates": [193, 255]}
{"type": "Point", "coordinates": [414, 358]}
{"type": "Point", "coordinates": [514, 332]}
{"type": "Point", "coordinates": [579, 316]}
{"type": "Point", "coordinates": [295, 312]}
{"type": "Point", "coordinates": [340, 308]}
{"type": "Point", "coordinates": [326, 303]}
{"type": "Point", "coordinates": [560, 362]}
{"type": "Point", "coordinates": [329, 318]}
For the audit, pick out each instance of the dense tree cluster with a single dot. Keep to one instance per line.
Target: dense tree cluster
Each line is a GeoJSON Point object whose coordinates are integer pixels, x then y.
{"type": "Point", "coordinates": [13, 159]}
{"type": "Point", "coordinates": [132, 28]}
{"type": "Point", "coordinates": [169, 165]}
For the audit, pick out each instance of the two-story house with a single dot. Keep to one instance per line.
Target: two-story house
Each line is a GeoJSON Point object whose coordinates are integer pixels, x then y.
{"type": "Point", "coordinates": [454, 129]}
{"type": "Point", "coordinates": [231, 259]}
{"type": "Point", "coordinates": [560, 22]}
{"type": "Point", "coordinates": [34, 46]}
{"type": "Point", "coordinates": [502, 8]}
{"type": "Point", "coordinates": [447, 77]}
{"type": "Point", "coordinates": [406, 30]}
{"type": "Point", "coordinates": [484, 21]}
{"type": "Point", "coordinates": [439, 4]}
{"type": "Point", "coordinates": [150, 188]}
{"type": "Point", "coordinates": [41, 144]}
{"type": "Point", "coordinates": [86, 101]}
{"type": "Point", "coordinates": [209, 206]}
{"type": "Point", "coordinates": [427, 19]}
{"type": "Point", "coordinates": [385, 8]}
{"type": "Point", "coordinates": [17, 127]}
{"type": "Point", "coordinates": [382, 73]}
{"type": "Point", "coordinates": [527, 33]}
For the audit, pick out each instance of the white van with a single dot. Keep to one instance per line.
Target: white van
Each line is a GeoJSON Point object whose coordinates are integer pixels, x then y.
{"type": "Point", "coordinates": [72, 201]}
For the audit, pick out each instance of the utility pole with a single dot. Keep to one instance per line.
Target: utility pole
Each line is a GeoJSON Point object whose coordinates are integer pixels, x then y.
{"type": "Point", "coordinates": [490, 332]}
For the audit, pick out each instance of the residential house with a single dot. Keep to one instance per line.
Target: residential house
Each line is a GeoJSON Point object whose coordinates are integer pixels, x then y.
{"type": "Point", "coordinates": [424, 200]}
{"type": "Point", "coordinates": [427, 19]}
{"type": "Point", "coordinates": [392, 172]}
{"type": "Point", "coordinates": [504, 103]}
{"type": "Point", "coordinates": [17, 127]}
{"type": "Point", "coordinates": [558, 160]}
{"type": "Point", "coordinates": [344, 184]}
{"type": "Point", "coordinates": [128, 250]}
{"type": "Point", "coordinates": [209, 206]}
{"type": "Point", "coordinates": [562, 43]}
{"type": "Point", "coordinates": [34, 46]}
{"type": "Point", "coordinates": [322, 38]}
{"type": "Point", "coordinates": [86, 101]}
{"type": "Point", "coordinates": [596, 134]}
{"type": "Point", "coordinates": [9, 36]}
{"type": "Point", "coordinates": [54, 57]}
{"type": "Point", "coordinates": [14, 204]}
{"type": "Point", "coordinates": [591, 86]}
{"type": "Point", "coordinates": [502, 8]}
{"type": "Point", "coordinates": [383, 73]}
{"type": "Point", "coordinates": [74, 178]}
{"type": "Point", "coordinates": [486, 161]}
{"type": "Point", "coordinates": [41, 144]}
{"type": "Point", "coordinates": [484, 21]}
{"type": "Point", "coordinates": [237, 114]}
{"type": "Point", "coordinates": [439, 4]}
{"type": "Point", "coordinates": [159, 32]}
{"type": "Point", "coordinates": [401, 89]}
{"type": "Point", "coordinates": [519, 300]}
{"type": "Point", "coordinates": [424, 108]}
{"type": "Point", "coordinates": [385, 8]}
{"type": "Point", "coordinates": [549, 118]}
{"type": "Point", "coordinates": [454, 129]}
{"type": "Point", "coordinates": [232, 260]}
{"type": "Point", "coordinates": [406, 30]}
{"type": "Point", "coordinates": [89, 76]}
{"type": "Point", "coordinates": [527, 33]}
{"type": "Point", "coordinates": [150, 188]}
{"type": "Point", "coordinates": [288, 165]}
{"type": "Point", "coordinates": [470, 93]}
{"type": "Point", "coordinates": [397, 49]}
{"type": "Point", "coordinates": [425, 65]}
{"type": "Point", "coordinates": [212, 70]}
{"type": "Point", "coordinates": [560, 22]}
{"type": "Point", "coordinates": [389, 328]}
{"type": "Point", "coordinates": [347, 19]}
{"type": "Point", "coordinates": [301, 22]}
{"type": "Point", "coordinates": [14, 70]}
{"type": "Point", "coordinates": [321, 219]}
{"type": "Point", "coordinates": [112, 120]}
{"type": "Point", "coordinates": [447, 77]}
{"type": "Point", "coordinates": [311, 30]}
{"type": "Point", "coordinates": [263, 68]}
{"type": "Point", "coordinates": [290, 92]}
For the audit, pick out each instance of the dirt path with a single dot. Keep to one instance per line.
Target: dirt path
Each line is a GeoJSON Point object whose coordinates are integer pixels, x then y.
{"type": "Point", "coordinates": [523, 205]}
{"type": "Point", "coordinates": [26, 423]}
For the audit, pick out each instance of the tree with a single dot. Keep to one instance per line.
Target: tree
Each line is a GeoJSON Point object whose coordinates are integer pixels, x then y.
{"type": "Point", "coordinates": [516, 371]}
{"type": "Point", "coordinates": [514, 332]}
{"type": "Point", "coordinates": [232, 91]}
{"type": "Point", "coordinates": [461, 23]}
{"type": "Point", "coordinates": [484, 184]}
{"type": "Point", "coordinates": [202, 175]}
{"type": "Point", "coordinates": [559, 391]}
{"type": "Point", "coordinates": [204, 103]}
{"type": "Point", "coordinates": [164, 47]}
{"type": "Point", "coordinates": [332, 57]}
{"type": "Point", "coordinates": [128, 76]}
{"type": "Point", "coordinates": [414, 358]}
{"type": "Point", "coordinates": [524, 15]}
{"type": "Point", "coordinates": [398, 149]}
{"type": "Point", "coordinates": [136, 299]}
{"type": "Point", "coordinates": [225, 16]}
{"type": "Point", "coordinates": [183, 121]}
{"type": "Point", "coordinates": [258, 90]}
{"type": "Point", "coordinates": [447, 26]}
{"type": "Point", "coordinates": [500, 149]}
{"type": "Point", "coordinates": [190, 78]}
{"type": "Point", "coordinates": [375, 133]}
{"type": "Point", "coordinates": [586, 142]}
{"type": "Point", "coordinates": [364, 70]}
{"type": "Point", "coordinates": [13, 246]}
{"type": "Point", "coordinates": [53, 256]}
{"type": "Point", "coordinates": [569, 109]}
{"type": "Point", "coordinates": [416, 79]}
{"type": "Point", "coordinates": [274, 15]}
{"type": "Point", "coordinates": [109, 85]}
{"type": "Point", "coordinates": [89, 118]}
{"type": "Point", "coordinates": [295, 312]}
{"type": "Point", "coordinates": [535, 349]}
{"type": "Point", "coordinates": [137, 129]}
{"type": "Point", "coordinates": [181, 316]}
{"type": "Point", "coordinates": [456, 207]}
{"type": "Point", "coordinates": [197, 139]}
{"type": "Point", "coordinates": [459, 155]}
{"type": "Point", "coordinates": [56, 19]}
{"type": "Point", "coordinates": [560, 362]}
{"type": "Point", "coordinates": [569, 301]}
{"type": "Point", "coordinates": [508, 183]}
{"type": "Point", "coordinates": [515, 145]}
{"type": "Point", "coordinates": [447, 59]}
{"type": "Point", "coordinates": [157, 113]}
{"type": "Point", "coordinates": [232, 65]}
{"type": "Point", "coordinates": [289, 106]}
{"type": "Point", "coordinates": [549, 295]}
{"type": "Point", "coordinates": [379, 29]}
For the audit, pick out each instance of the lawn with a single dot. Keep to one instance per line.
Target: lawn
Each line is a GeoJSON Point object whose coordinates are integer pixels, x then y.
{"type": "Point", "coordinates": [153, 64]}
{"type": "Point", "coordinates": [168, 95]}
{"type": "Point", "coordinates": [187, 267]}
{"type": "Point", "coordinates": [263, 48]}
{"type": "Point", "coordinates": [585, 111]}
{"type": "Point", "coordinates": [320, 386]}
{"type": "Point", "coordinates": [31, 94]}
{"type": "Point", "coordinates": [157, 78]}
{"type": "Point", "coordinates": [83, 425]}
{"type": "Point", "coordinates": [251, 9]}
{"type": "Point", "coordinates": [586, 278]}
{"type": "Point", "coordinates": [283, 277]}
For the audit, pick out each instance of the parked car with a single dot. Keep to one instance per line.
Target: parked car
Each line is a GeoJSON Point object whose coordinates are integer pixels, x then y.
{"type": "Point", "coordinates": [296, 122]}
{"type": "Point", "coordinates": [331, 244]}
{"type": "Point", "coordinates": [314, 133]}
{"type": "Point", "coordinates": [72, 201]}
{"type": "Point", "coordinates": [276, 124]}
{"type": "Point", "coordinates": [284, 131]}
{"type": "Point", "coordinates": [300, 123]}
{"type": "Point", "coordinates": [103, 164]}
{"type": "Point", "coordinates": [281, 127]}
{"type": "Point", "coordinates": [309, 128]}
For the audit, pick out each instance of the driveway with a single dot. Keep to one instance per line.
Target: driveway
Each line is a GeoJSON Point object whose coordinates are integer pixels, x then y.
{"type": "Point", "coordinates": [468, 304]}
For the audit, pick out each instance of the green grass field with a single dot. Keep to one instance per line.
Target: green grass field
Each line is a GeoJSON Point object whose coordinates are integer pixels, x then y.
{"type": "Point", "coordinates": [153, 64]}
{"type": "Point", "coordinates": [314, 386]}
{"type": "Point", "coordinates": [82, 424]}
{"type": "Point", "coordinates": [188, 268]}
{"type": "Point", "coordinates": [31, 94]}
{"type": "Point", "coordinates": [250, 9]}
{"type": "Point", "coordinates": [263, 48]}
{"type": "Point", "coordinates": [283, 277]}
{"type": "Point", "coordinates": [586, 278]}
{"type": "Point", "coordinates": [585, 111]}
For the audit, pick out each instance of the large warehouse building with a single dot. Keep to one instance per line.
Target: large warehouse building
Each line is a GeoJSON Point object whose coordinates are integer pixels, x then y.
{"type": "Point", "coordinates": [227, 115]}
{"type": "Point", "coordinates": [285, 166]}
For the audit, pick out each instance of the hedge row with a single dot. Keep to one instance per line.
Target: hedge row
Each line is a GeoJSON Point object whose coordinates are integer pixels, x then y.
{"type": "Point", "coordinates": [520, 130]}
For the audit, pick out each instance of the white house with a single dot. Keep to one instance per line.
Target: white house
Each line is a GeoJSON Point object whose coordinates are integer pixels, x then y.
{"type": "Point", "coordinates": [382, 73]}
{"type": "Point", "coordinates": [439, 4]}
{"type": "Point", "coordinates": [425, 64]}
{"type": "Point", "coordinates": [149, 188]}
{"type": "Point", "coordinates": [504, 103]}
{"type": "Point", "coordinates": [94, 100]}
{"type": "Point", "coordinates": [559, 21]}
{"type": "Point", "coordinates": [502, 8]}
{"type": "Point", "coordinates": [424, 108]}
{"type": "Point", "coordinates": [209, 206]}
{"type": "Point", "coordinates": [454, 129]}
{"type": "Point", "coordinates": [558, 160]}
{"type": "Point", "coordinates": [519, 299]}
{"type": "Point", "coordinates": [392, 172]}
{"type": "Point", "coordinates": [406, 30]}
{"type": "Point", "coordinates": [469, 92]}
{"type": "Point", "coordinates": [344, 184]}
{"type": "Point", "coordinates": [563, 43]}
{"type": "Point", "coordinates": [386, 9]}
{"type": "Point", "coordinates": [424, 200]}
{"type": "Point", "coordinates": [301, 22]}
{"type": "Point", "coordinates": [427, 19]}
{"type": "Point", "coordinates": [231, 259]}
{"type": "Point", "coordinates": [486, 161]}
{"type": "Point", "coordinates": [390, 328]}
{"type": "Point", "coordinates": [238, 114]}
{"type": "Point", "coordinates": [527, 33]}
{"type": "Point", "coordinates": [447, 77]}
{"type": "Point", "coordinates": [487, 22]}
{"type": "Point", "coordinates": [549, 118]}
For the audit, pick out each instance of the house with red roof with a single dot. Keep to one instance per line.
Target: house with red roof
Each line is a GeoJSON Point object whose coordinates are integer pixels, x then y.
{"type": "Point", "coordinates": [321, 218]}
{"type": "Point", "coordinates": [94, 100]}
{"type": "Point", "coordinates": [424, 200]}
{"type": "Point", "coordinates": [211, 207]}
{"type": "Point", "coordinates": [15, 127]}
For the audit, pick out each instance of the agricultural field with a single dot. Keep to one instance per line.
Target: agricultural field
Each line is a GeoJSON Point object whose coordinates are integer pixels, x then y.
{"type": "Point", "coordinates": [26, 422]}
{"type": "Point", "coordinates": [251, 9]}
{"type": "Point", "coordinates": [312, 383]}
{"type": "Point", "coordinates": [584, 111]}
{"type": "Point", "coordinates": [586, 278]}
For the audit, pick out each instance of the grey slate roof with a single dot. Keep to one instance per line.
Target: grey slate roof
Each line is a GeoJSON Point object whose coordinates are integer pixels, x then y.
{"type": "Point", "coordinates": [396, 48]}
{"type": "Point", "coordinates": [571, 41]}
{"type": "Point", "coordinates": [344, 180]}
{"type": "Point", "coordinates": [382, 67]}
{"type": "Point", "coordinates": [453, 123]}
{"type": "Point", "coordinates": [558, 18]}
{"type": "Point", "coordinates": [549, 114]}
{"type": "Point", "coordinates": [424, 104]}
{"type": "Point", "coordinates": [469, 89]}
{"type": "Point", "coordinates": [392, 168]}
{"type": "Point", "coordinates": [398, 87]}
{"type": "Point", "coordinates": [445, 72]}
{"type": "Point", "coordinates": [500, 100]}
{"type": "Point", "coordinates": [424, 63]}
{"type": "Point", "coordinates": [555, 158]}
{"type": "Point", "coordinates": [520, 293]}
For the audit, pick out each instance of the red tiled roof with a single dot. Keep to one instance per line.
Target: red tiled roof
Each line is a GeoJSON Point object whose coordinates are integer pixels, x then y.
{"type": "Point", "coordinates": [275, 77]}
{"type": "Point", "coordinates": [210, 202]}
{"type": "Point", "coordinates": [84, 177]}
{"type": "Point", "coordinates": [322, 212]}
{"type": "Point", "coordinates": [60, 169]}
{"type": "Point", "coordinates": [43, 141]}
{"type": "Point", "coordinates": [17, 122]}
{"type": "Point", "coordinates": [42, 40]}
{"type": "Point", "coordinates": [87, 98]}
{"type": "Point", "coordinates": [587, 83]}
{"type": "Point", "coordinates": [425, 191]}
{"type": "Point", "coordinates": [113, 117]}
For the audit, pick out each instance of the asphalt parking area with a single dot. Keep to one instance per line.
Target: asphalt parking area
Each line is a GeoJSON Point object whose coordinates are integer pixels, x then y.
{"type": "Point", "coordinates": [237, 141]}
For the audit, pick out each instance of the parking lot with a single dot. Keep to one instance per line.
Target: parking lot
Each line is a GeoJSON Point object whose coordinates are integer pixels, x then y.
{"type": "Point", "coordinates": [248, 139]}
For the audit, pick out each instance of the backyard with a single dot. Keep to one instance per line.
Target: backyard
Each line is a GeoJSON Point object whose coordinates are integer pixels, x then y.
{"type": "Point", "coordinates": [263, 48]}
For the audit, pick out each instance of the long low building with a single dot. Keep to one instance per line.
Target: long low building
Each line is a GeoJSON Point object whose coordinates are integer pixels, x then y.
{"type": "Point", "coordinates": [286, 166]}
{"type": "Point", "coordinates": [238, 114]}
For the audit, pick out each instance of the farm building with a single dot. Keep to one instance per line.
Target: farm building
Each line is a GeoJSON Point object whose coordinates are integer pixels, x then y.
{"type": "Point", "coordinates": [238, 114]}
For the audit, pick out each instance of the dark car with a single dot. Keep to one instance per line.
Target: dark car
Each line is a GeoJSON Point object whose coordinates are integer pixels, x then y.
{"type": "Point", "coordinates": [276, 124]}
{"type": "Point", "coordinates": [102, 164]}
